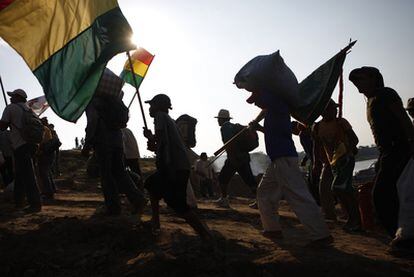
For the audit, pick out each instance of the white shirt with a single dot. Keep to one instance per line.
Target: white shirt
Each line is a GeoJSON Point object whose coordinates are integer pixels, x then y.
{"type": "Point", "coordinates": [12, 115]}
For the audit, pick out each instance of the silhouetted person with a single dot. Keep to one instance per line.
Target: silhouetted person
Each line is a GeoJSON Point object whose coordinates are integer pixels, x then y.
{"type": "Point", "coordinates": [56, 165]}
{"type": "Point", "coordinates": [283, 177]}
{"type": "Point", "coordinates": [338, 142]}
{"type": "Point", "coordinates": [25, 182]}
{"type": "Point", "coordinates": [237, 160]}
{"type": "Point", "coordinates": [206, 175]}
{"type": "Point", "coordinates": [103, 133]}
{"type": "Point", "coordinates": [394, 135]}
{"type": "Point", "coordinates": [170, 180]}
{"type": "Point", "coordinates": [44, 159]}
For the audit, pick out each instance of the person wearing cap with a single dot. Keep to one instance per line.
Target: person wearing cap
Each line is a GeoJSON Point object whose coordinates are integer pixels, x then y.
{"type": "Point", "coordinates": [237, 160]}
{"type": "Point", "coordinates": [393, 133]}
{"type": "Point", "coordinates": [170, 180]}
{"type": "Point", "coordinates": [410, 108]}
{"type": "Point", "coordinates": [283, 176]}
{"type": "Point", "coordinates": [25, 181]}
{"type": "Point", "coordinates": [105, 137]}
{"type": "Point", "coordinates": [336, 142]}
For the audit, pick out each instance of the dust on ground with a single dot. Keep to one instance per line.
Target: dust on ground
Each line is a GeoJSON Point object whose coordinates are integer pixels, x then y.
{"type": "Point", "coordinates": [68, 238]}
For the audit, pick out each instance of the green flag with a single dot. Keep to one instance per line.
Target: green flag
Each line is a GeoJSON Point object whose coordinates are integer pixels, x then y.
{"type": "Point", "coordinates": [316, 89]}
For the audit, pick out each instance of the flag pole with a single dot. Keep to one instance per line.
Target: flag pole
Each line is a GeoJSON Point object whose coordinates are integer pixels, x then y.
{"type": "Point", "coordinates": [42, 112]}
{"type": "Point", "coordinates": [4, 93]}
{"type": "Point", "coordinates": [137, 91]}
{"type": "Point", "coordinates": [132, 100]}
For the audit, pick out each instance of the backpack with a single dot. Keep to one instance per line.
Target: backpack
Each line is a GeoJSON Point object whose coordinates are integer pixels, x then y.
{"type": "Point", "coordinates": [248, 140]}
{"type": "Point", "coordinates": [32, 128]}
{"type": "Point", "coordinates": [113, 112]}
{"type": "Point", "coordinates": [51, 145]}
{"type": "Point", "coordinates": [187, 126]}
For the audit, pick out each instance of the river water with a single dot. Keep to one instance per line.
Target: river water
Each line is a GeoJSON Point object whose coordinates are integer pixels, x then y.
{"type": "Point", "coordinates": [259, 163]}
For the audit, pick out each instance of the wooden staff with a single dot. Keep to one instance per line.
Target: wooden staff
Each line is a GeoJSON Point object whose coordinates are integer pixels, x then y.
{"type": "Point", "coordinates": [221, 150]}
{"type": "Point", "coordinates": [230, 141]}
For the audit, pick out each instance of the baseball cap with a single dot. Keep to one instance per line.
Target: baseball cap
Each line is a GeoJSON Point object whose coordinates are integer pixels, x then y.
{"type": "Point", "coordinates": [19, 92]}
{"type": "Point", "coordinates": [160, 99]}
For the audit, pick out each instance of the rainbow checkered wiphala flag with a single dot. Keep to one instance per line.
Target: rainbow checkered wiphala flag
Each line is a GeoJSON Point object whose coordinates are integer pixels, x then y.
{"type": "Point", "coordinates": [141, 60]}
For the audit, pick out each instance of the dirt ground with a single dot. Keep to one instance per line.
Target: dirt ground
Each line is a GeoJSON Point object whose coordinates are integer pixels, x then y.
{"type": "Point", "coordinates": [68, 238]}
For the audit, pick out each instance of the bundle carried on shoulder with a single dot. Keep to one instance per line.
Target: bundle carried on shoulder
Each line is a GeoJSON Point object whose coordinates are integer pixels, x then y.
{"type": "Point", "coordinates": [308, 99]}
{"type": "Point", "coordinates": [270, 73]}
{"type": "Point", "coordinates": [187, 127]}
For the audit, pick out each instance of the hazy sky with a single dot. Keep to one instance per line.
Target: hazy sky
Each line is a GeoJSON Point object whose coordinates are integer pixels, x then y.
{"type": "Point", "coordinates": [200, 46]}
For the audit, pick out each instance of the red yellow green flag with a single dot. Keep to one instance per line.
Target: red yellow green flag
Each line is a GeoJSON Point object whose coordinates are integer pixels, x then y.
{"type": "Point", "coordinates": [141, 60]}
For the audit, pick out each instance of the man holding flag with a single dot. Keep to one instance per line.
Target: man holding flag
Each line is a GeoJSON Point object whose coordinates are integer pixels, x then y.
{"type": "Point", "coordinates": [106, 115]}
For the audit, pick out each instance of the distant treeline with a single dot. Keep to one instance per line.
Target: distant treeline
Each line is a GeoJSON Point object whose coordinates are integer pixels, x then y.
{"type": "Point", "coordinates": [367, 153]}
{"type": "Point", "coordinates": [364, 153]}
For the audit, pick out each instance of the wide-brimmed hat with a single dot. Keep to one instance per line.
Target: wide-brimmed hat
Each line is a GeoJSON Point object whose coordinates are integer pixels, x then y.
{"type": "Point", "coordinates": [160, 99]}
{"type": "Point", "coordinates": [223, 113]}
{"type": "Point", "coordinates": [19, 92]}
{"type": "Point", "coordinates": [410, 104]}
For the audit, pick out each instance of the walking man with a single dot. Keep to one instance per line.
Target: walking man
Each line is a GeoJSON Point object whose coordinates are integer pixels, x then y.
{"type": "Point", "coordinates": [170, 180]}
{"type": "Point", "coordinates": [336, 141]}
{"type": "Point", "coordinates": [283, 177]}
{"type": "Point", "coordinates": [237, 160]}
{"type": "Point", "coordinates": [106, 116]}
{"type": "Point", "coordinates": [25, 182]}
{"type": "Point", "coordinates": [393, 133]}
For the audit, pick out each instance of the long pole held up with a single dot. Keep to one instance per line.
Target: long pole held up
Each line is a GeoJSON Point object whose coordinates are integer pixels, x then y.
{"type": "Point", "coordinates": [4, 93]}
{"type": "Point", "coordinates": [137, 91]}
{"type": "Point", "coordinates": [132, 100]}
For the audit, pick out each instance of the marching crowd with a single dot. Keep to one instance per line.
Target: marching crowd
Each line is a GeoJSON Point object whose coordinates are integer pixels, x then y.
{"type": "Point", "coordinates": [330, 145]}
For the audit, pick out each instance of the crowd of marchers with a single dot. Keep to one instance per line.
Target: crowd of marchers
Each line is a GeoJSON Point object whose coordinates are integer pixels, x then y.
{"type": "Point", "coordinates": [30, 150]}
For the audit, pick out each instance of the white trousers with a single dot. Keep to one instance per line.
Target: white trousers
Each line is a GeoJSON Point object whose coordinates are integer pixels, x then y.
{"type": "Point", "coordinates": [283, 178]}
